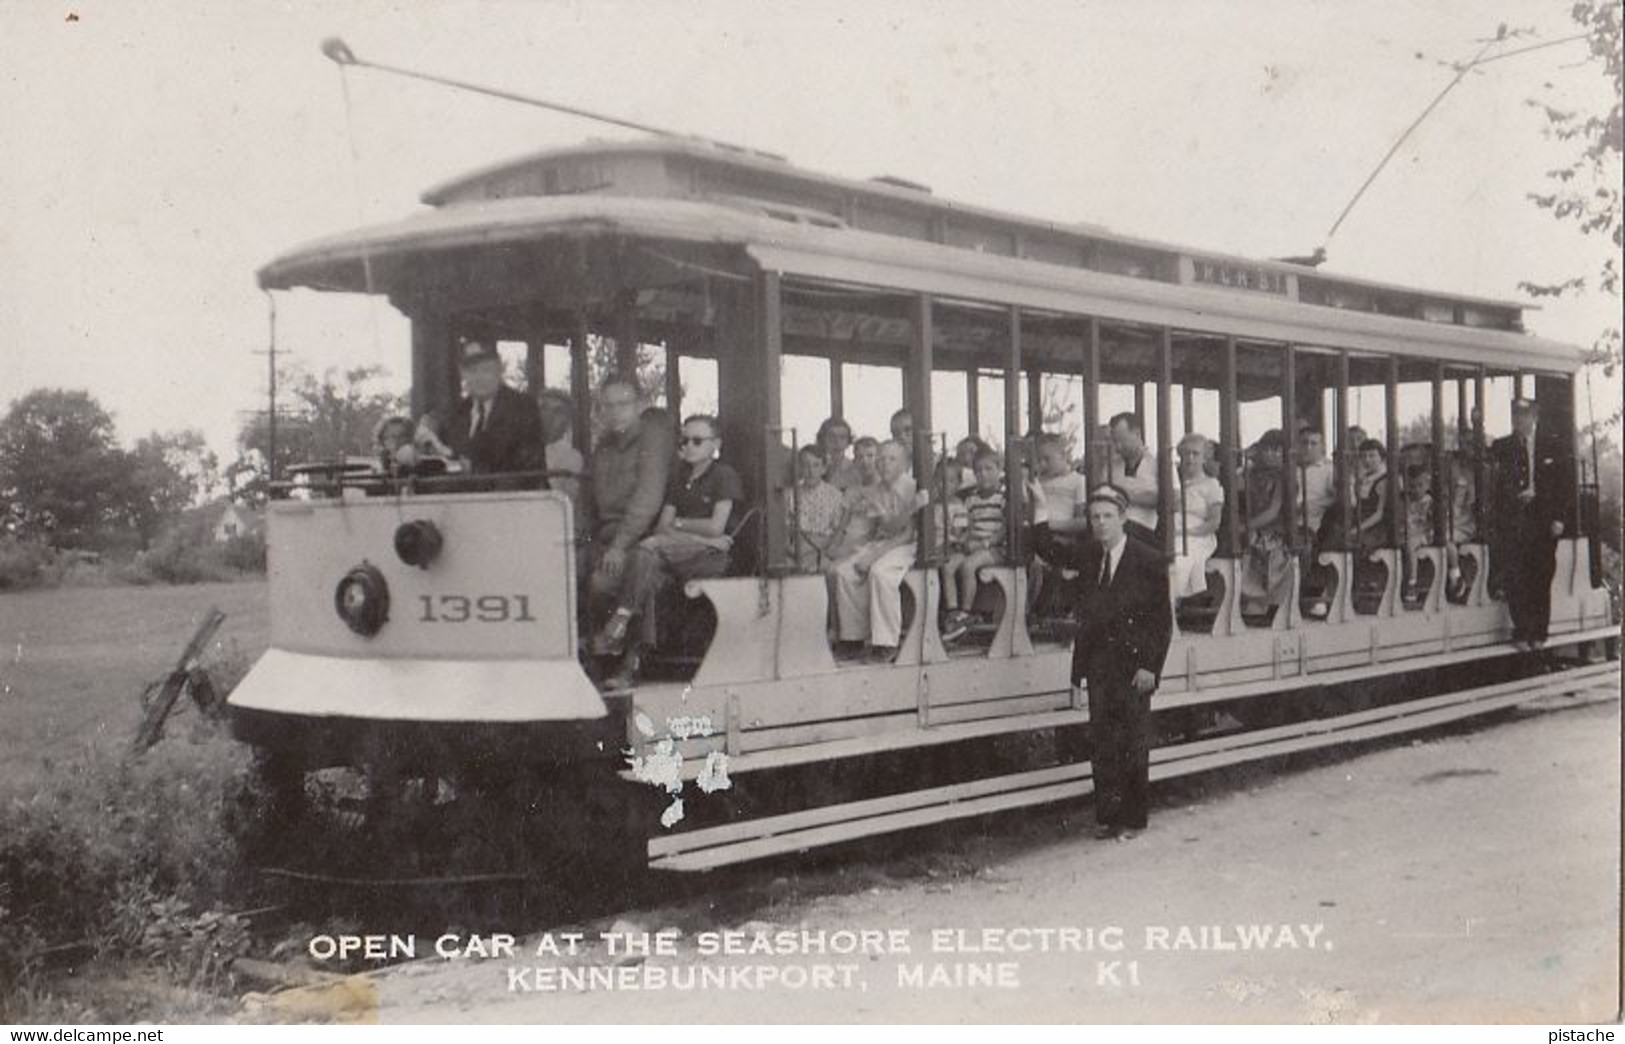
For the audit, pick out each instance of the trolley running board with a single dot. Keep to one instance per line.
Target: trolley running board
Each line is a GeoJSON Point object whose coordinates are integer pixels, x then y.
{"type": "Point", "coordinates": [711, 847]}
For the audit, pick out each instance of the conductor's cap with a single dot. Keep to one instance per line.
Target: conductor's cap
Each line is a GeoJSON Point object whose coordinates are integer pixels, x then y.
{"type": "Point", "coordinates": [1110, 495]}
{"type": "Point", "coordinates": [471, 352]}
{"type": "Point", "coordinates": [1522, 405]}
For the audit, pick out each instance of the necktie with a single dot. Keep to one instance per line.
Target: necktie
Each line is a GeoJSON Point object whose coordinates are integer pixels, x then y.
{"type": "Point", "coordinates": [478, 426]}
{"type": "Point", "coordinates": [1106, 570]}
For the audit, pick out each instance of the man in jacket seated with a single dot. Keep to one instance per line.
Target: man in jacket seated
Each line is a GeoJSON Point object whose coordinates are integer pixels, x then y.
{"type": "Point", "coordinates": [630, 466]}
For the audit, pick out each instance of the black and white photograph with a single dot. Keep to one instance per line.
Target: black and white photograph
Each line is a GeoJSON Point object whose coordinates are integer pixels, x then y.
{"type": "Point", "coordinates": [527, 513]}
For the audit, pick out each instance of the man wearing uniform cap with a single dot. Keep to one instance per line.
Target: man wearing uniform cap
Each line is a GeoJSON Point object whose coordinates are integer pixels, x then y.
{"type": "Point", "coordinates": [1125, 622]}
{"type": "Point", "coordinates": [494, 428]}
{"type": "Point", "coordinates": [1529, 502]}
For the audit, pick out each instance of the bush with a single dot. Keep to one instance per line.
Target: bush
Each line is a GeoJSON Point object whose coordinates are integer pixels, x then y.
{"type": "Point", "coordinates": [184, 553]}
{"type": "Point", "coordinates": [117, 852]}
{"type": "Point", "coordinates": [26, 563]}
{"type": "Point", "coordinates": [188, 555]}
{"type": "Point", "coordinates": [245, 553]}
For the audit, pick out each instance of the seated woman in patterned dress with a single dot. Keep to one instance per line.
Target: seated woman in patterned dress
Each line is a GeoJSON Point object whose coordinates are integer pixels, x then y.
{"type": "Point", "coordinates": [817, 509]}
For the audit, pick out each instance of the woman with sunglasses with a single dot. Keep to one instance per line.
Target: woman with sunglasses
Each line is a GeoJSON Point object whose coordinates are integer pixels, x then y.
{"type": "Point", "coordinates": [691, 539]}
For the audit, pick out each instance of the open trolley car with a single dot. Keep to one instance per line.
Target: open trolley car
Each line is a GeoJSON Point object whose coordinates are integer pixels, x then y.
{"type": "Point", "coordinates": [745, 266]}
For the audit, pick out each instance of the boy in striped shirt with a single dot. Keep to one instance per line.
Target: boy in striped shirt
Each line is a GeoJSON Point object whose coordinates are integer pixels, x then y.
{"type": "Point", "coordinates": [981, 545]}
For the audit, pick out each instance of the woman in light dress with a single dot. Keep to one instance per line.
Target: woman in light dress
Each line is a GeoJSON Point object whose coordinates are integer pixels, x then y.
{"type": "Point", "coordinates": [1201, 510]}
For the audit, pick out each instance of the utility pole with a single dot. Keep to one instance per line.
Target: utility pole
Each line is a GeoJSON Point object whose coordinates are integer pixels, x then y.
{"type": "Point", "coordinates": [270, 353]}
{"type": "Point", "coordinates": [270, 416]}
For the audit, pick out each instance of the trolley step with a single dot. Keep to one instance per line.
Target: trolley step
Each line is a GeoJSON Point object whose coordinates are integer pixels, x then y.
{"type": "Point", "coordinates": [712, 847]}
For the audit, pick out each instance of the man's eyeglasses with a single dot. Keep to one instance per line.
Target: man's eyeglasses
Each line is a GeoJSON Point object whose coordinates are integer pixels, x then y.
{"type": "Point", "coordinates": [697, 440]}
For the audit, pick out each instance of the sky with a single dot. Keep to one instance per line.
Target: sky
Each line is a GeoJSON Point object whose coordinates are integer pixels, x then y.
{"type": "Point", "coordinates": [157, 153]}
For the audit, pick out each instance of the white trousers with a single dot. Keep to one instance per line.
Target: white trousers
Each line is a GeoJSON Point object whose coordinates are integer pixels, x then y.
{"type": "Point", "coordinates": [869, 593]}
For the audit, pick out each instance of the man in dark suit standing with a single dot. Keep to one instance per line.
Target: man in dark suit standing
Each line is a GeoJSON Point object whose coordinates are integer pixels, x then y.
{"type": "Point", "coordinates": [1529, 502]}
{"type": "Point", "coordinates": [1125, 623]}
{"type": "Point", "coordinates": [494, 429]}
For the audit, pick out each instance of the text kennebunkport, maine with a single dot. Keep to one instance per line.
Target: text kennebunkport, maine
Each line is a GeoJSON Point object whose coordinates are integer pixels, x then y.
{"type": "Point", "coordinates": [817, 958]}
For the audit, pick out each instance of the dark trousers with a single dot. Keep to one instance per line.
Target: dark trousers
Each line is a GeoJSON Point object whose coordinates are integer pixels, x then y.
{"type": "Point", "coordinates": [1120, 731]}
{"type": "Point", "coordinates": [651, 567]}
{"type": "Point", "coordinates": [1531, 561]}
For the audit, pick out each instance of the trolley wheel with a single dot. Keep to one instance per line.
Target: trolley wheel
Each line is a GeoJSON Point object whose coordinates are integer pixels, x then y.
{"type": "Point", "coordinates": [274, 803]}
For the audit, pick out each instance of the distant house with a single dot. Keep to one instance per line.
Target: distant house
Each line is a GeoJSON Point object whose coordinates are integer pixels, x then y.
{"type": "Point", "coordinates": [234, 520]}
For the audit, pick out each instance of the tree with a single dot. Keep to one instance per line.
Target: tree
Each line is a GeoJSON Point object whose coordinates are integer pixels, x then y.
{"type": "Point", "coordinates": [1062, 415]}
{"type": "Point", "coordinates": [329, 417]}
{"type": "Point", "coordinates": [63, 478]}
{"type": "Point", "coordinates": [651, 369]}
{"type": "Point", "coordinates": [1587, 189]}
{"type": "Point", "coordinates": [174, 470]}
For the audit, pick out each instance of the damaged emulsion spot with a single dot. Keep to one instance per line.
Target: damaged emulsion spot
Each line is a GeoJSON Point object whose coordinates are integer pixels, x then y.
{"type": "Point", "coordinates": [662, 765]}
{"type": "Point", "coordinates": [1439, 777]}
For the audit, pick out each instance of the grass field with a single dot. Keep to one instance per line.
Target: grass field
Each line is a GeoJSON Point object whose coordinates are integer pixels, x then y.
{"type": "Point", "coordinates": [74, 661]}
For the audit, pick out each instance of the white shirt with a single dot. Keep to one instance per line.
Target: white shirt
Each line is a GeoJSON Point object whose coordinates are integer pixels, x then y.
{"type": "Point", "coordinates": [1319, 491]}
{"type": "Point", "coordinates": [1143, 479]}
{"type": "Point", "coordinates": [1065, 495]}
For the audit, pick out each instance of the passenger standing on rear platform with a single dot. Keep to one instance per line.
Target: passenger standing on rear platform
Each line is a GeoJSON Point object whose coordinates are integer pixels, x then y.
{"type": "Point", "coordinates": [1125, 624]}
{"type": "Point", "coordinates": [1529, 483]}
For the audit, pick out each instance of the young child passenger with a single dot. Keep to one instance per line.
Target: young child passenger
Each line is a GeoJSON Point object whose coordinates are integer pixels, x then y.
{"type": "Point", "coordinates": [1418, 521]}
{"type": "Point", "coordinates": [981, 545]}
{"type": "Point", "coordinates": [1461, 525]}
{"type": "Point", "coordinates": [392, 442]}
{"type": "Point", "coordinates": [818, 510]}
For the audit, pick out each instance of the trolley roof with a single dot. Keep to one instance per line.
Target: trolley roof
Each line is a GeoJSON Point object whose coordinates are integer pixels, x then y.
{"type": "Point", "coordinates": [889, 235]}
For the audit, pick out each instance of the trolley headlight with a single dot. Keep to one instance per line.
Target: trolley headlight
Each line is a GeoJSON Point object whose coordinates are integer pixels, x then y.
{"type": "Point", "coordinates": [362, 600]}
{"type": "Point", "coordinates": [418, 542]}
